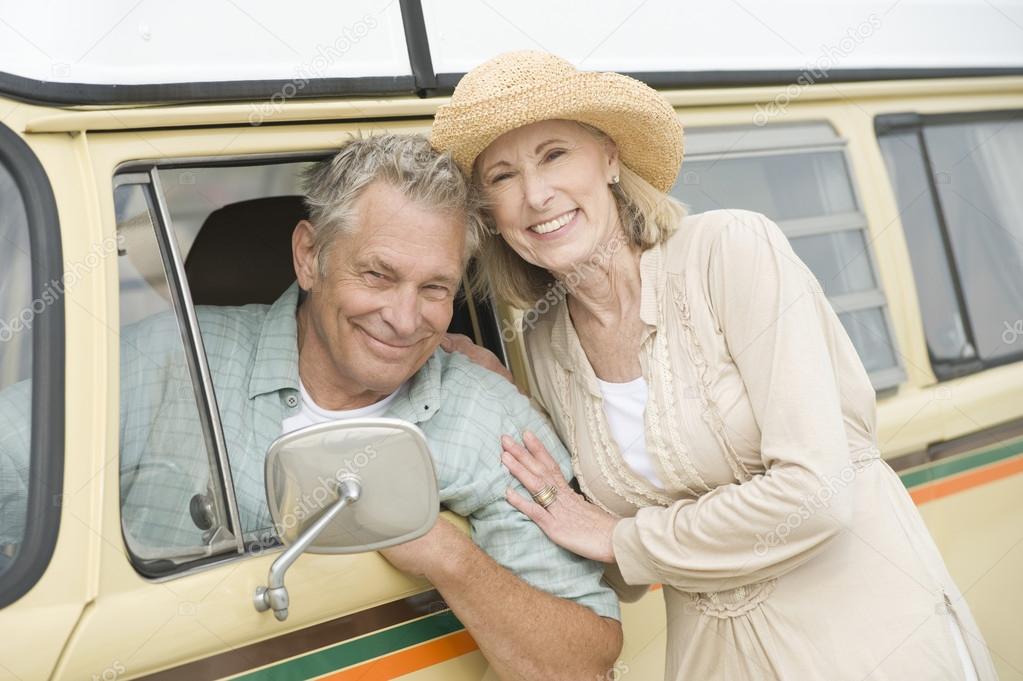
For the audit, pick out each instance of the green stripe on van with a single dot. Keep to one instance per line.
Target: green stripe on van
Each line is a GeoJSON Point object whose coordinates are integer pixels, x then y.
{"type": "Point", "coordinates": [944, 469]}
{"type": "Point", "coordinates": [350, 653]}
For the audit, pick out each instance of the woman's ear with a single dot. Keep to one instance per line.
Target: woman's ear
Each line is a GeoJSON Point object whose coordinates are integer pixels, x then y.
{"type": "Point", "coordinates": [613, 163]}
{"type": "Point", "coordinates": [304, 256]}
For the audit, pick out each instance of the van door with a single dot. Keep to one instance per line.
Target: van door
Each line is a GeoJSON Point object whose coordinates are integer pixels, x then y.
{"type": "Point", "coordinates": [179, 564]}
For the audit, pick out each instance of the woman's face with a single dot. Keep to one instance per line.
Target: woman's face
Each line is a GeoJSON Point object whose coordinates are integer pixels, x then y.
{"type": "Point", "coordinates": [548, 185]}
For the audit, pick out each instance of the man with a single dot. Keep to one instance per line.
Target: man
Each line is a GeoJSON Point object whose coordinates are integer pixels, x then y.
{"type": "Point", "coordinates": [378, 266]}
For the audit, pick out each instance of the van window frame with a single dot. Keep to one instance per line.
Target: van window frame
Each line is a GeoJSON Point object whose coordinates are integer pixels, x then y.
{"type": "Point", "coordinates": [46, 464]}
{"type": "Point", "coordinates": [913, 122]}
{"type": "Point", "coordinates": [199, 372]}
{"type": "Point", "coordinates": [800, 138]}
{"type": "Point", "coordinates": [145, 172]}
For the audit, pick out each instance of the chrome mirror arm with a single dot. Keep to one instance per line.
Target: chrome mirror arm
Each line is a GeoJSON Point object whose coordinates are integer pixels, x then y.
{"type": "Point", "coordinates": [275, 595]}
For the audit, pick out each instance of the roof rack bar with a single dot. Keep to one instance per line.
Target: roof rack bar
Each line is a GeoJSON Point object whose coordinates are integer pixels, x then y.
{"type": "Point", "coordinates": [418, 44]}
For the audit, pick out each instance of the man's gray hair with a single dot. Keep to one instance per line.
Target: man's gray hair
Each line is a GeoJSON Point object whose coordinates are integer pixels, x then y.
{"type": "Point", "coordinates": [406, 162]}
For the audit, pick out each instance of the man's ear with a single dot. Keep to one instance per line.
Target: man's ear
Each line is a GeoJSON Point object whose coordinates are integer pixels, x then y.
{"type": "Point", "coordinates": [303, 254]}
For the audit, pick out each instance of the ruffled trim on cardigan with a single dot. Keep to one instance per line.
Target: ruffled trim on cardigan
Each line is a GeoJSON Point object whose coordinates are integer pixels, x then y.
{"type": "Point", "coordinates": [733, 602]}
{"type": "Point", "coordinates": [709, 409]}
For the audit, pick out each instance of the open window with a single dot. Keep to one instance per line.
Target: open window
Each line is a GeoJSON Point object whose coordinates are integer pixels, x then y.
{"type": "Point", "coordinates": [192, 235]}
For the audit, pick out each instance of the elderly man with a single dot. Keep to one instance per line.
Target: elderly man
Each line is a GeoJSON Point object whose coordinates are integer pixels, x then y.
{"type": "Point", "coordinates": [378, 265]}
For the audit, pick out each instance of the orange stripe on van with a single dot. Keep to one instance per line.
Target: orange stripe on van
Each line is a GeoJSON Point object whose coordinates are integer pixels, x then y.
{"type": "Point", "coordinates": [409, 660]}
{"type": "Point", "coordinates": [967, 480]}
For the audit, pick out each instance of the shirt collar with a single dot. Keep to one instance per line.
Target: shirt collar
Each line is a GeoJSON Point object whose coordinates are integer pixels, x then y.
{"type": "Point", "coordinates": [276, 364]}
{"type": "Point", "coordinates": [565, 345]}
{"type": "Point", "coordinates": [422, 399]}
{"type": "Point", "coordinates": [276, 361]}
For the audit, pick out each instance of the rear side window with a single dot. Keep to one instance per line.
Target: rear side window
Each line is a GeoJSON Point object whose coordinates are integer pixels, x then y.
{"type": "Point", "coordinates": [956, 180]}
{"type": "Point", "coordinates": [798, 176]}
{"type": "Point", "coordinates": [31, 369]}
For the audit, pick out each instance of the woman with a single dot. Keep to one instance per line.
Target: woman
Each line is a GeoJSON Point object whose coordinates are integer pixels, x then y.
{"type": "Point", "coordinates": [718, 417]}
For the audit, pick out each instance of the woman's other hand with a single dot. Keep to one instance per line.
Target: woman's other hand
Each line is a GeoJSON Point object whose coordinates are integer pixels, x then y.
{"type": "Point", "coordinates": [456, 342]}
{"type": "Point", "coordinates": [569, 520]}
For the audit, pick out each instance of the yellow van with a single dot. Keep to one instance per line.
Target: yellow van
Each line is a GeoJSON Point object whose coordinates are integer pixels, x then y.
{"type": "Point", "coordinates": [137, 177]}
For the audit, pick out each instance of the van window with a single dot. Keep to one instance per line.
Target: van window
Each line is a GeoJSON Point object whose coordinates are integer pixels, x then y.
{"type": "Point", "coordinates": [197, 240]}
{"type": "Point", "coordinates": [32, 289]}
{"type": "Point", "coordinates": [233, 225]}
{"type": "Point", "coordinates": [15, 367]}
{"type": "Point", "coordinates": [174, 509]}
{"type": "Point", "coordinates": [798, 176]}
{"type": "Point", "coordinates": [956, 183]}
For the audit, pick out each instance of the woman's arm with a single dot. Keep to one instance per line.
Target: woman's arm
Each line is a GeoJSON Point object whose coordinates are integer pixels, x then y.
{"type": "Point", "coordinates": [777, 324]}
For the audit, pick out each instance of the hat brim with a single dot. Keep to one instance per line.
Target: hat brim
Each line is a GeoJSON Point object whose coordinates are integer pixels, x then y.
{"type": "Point", "coordinates": [642, 124]}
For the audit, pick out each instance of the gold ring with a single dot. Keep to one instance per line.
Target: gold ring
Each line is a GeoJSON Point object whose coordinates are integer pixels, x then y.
{"type": "Point", "coordinates": [546, 496]}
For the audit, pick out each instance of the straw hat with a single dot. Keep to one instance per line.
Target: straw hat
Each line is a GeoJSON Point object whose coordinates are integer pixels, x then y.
{"type": "Point", "coordinates": [519, 88]}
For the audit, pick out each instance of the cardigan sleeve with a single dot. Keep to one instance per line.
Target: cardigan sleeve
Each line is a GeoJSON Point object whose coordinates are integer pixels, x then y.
{"type": "Point", "coordinates": [779, 331]}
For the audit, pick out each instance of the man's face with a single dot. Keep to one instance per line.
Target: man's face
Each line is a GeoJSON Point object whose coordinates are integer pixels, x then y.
{"type": "Point", "coordinates": [386, 299]}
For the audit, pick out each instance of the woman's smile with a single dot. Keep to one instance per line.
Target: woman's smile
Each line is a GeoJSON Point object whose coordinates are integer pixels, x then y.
{"type": "Point", "coordinates": [555, 227]}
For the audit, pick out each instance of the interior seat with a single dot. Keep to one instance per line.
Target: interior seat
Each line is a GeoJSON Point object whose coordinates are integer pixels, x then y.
{"type": "Point", "coordinates": [242, 255]}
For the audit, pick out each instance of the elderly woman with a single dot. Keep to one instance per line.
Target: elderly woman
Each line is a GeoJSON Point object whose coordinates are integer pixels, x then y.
{"type": "Point", "coordinates": [720, 422]}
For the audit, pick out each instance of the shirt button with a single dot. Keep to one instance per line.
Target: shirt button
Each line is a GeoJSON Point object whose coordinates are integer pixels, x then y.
{"type": "Point", "coordinates": [291, 400]}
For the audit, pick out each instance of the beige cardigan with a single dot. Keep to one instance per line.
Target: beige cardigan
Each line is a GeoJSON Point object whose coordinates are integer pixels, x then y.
{"type": "Point", "coordinates": [787, 547]}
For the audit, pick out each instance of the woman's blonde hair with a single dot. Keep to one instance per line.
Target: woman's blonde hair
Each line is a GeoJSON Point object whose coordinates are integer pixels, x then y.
{"type": "Point", "coordinates": [648, 216]}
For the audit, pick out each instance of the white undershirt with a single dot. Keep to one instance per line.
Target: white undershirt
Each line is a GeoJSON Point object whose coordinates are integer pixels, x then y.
{"type": "Point", "coordinates": [624, 404]}
{"type": "Point", "coordinates": [312, 413]}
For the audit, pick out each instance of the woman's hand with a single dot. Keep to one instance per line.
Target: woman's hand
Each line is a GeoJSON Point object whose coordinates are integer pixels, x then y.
{"type": "Point", "coordinates": [456, 342]}
{"type": "Point", "coordinates": [570, 521]}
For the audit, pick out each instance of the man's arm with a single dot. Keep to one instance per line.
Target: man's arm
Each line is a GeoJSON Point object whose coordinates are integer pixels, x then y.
{"type": "Point", "coordinates": [536, 610]}
{"type": "Point", "coordinates": [525, 633]}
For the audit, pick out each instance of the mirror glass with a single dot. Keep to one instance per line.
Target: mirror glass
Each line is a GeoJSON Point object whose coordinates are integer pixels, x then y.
{"type": "Point", "coordinates": [391, 460]}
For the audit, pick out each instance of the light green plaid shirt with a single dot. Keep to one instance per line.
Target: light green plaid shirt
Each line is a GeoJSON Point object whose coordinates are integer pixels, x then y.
{"type": "Point", "coordinates": [253, 356]}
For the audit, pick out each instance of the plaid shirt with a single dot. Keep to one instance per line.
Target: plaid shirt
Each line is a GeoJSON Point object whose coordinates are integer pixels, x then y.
{"type": "Point", "coordinates": [253, 355]}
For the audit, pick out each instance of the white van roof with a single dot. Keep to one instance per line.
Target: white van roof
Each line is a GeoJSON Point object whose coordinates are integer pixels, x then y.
{"type": "Point", "coordinates": [135, 50]}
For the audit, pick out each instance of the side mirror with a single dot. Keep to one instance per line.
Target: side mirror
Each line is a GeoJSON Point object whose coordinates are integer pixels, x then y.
{"type": "Point", "coordinates": [346, 487]}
